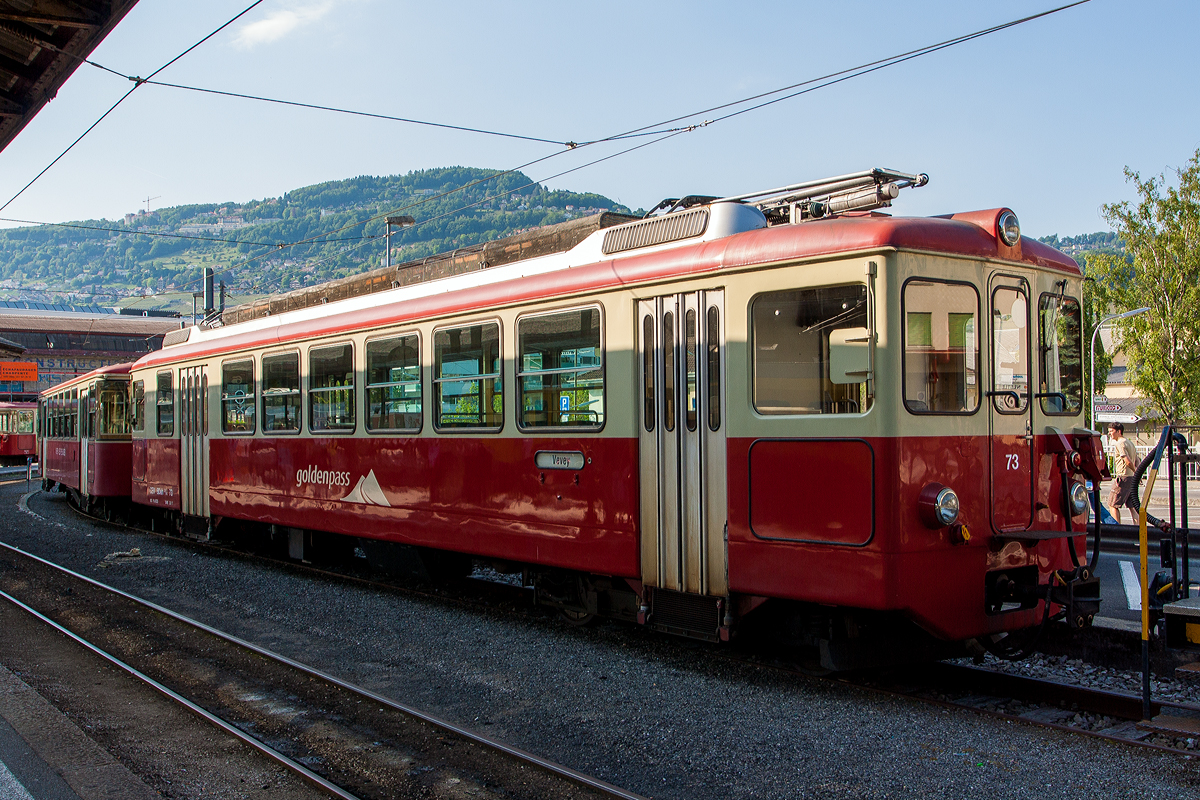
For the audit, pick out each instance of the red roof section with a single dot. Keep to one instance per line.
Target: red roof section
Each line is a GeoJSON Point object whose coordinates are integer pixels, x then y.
{"type": "Point", "coordinates": [111, 369]}
{"type": "Point", "coordinates": [971, 234]}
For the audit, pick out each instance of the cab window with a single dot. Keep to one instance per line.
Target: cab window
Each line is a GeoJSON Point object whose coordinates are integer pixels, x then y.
{"type": "Point", "coordinates": [941, 347]}
{"type": "Point", "coordinates": [1061, 347]}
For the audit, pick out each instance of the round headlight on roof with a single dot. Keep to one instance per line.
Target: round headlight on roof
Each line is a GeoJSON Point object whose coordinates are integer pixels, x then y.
{"type": "Point", "coordinates": [1008, 229]}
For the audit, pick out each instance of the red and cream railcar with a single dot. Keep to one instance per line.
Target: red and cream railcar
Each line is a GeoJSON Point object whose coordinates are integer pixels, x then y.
{"type": "Point", "coordinates": [86, 438]}
{"type": "Point", "coordinates": [869, 420]}
{"type": "Point", "coordinates": [18, 432]}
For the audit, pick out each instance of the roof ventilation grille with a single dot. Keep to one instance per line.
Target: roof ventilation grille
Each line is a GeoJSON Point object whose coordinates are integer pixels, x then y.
{"type": "Point", "coordinates": [656, 230]}
{"type": "Point", "coordinates": [177, 336]}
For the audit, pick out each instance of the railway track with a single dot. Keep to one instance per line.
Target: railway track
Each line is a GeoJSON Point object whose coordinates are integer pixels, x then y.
{"type": "Point", "coordinates": [1112, 716]}
{"type": "Point", "coordinates": [344, 739]}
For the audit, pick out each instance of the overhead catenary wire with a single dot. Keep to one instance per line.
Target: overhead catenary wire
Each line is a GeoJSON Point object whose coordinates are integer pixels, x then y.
{"type": "Point", "coordinates": [138, 82]}
{"type": "Point", "coordinates": [648, 130]}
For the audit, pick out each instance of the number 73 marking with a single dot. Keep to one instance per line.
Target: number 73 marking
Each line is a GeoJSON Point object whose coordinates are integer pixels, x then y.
{"type": "Point", "coordinates": [1013, 461]}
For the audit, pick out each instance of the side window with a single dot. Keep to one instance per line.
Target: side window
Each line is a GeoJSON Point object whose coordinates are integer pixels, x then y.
{"type": "Point", "coordinates": [114, 409]}
{"type": "Point", "coordinates": [164, 404]}
{"type": "Point", "coordinates": [73, 410]}
{"type": "Point", "coordinates": [1061, 347]}
{"type": "Point", "coordinates": [139, 405]}
{"type": "Point", "coordinates": [561, 370]}
{"type": "Point", "coordinates": [804, 342]}
{"type": "Point", "coordinates": [466, 377]}
{"type": "Point", "coordinates": [941, 347]}
{"type": "Point", "coordinates": [237, 396]}
{"type": "Point", "coordinates": [331, 388]}
{"type": "Point", "coordinates": [394, 384]}
{"type": "Point", "coordinates": [281, 393]}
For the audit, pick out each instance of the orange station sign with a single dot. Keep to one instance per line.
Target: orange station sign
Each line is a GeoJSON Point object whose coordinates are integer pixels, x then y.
{"type": "Point", "coordinates": [18, 371]}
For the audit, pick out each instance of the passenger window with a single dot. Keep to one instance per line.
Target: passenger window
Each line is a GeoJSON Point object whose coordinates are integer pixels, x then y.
{"type": "Point", "coordinates": [394, 384]}
{"type": "Point", "coordinates": [139, 405]}
{"type": "Point", "coordinates": [281, 393]}
{"type": "Point", "coordinates": [795, 333]}
{"type": "Point", "coordinates": [164, 403]}
{"type": "Point", "coordinates": [941, 348]}
{"type": "Point", "coordinates": [331, 388]}
{"type": "Point", "coordinates": [561, 372]}
{"type": "Point", "coordinates": [466, 368]}
{"type": "Point", "coordinates": [237, 396]}
{"type": "Point", "coordinates": [1061, 388]}
{"type": "Point", "coordinates": [114, 412]}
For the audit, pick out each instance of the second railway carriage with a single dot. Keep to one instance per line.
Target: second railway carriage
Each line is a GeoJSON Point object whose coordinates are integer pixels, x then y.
{"type": "Point", "coordinates": [85, 438]}
{"type": "Point", "coordinates": [868, 422]}
{"type": "Point", "coordinates": [18, 432]}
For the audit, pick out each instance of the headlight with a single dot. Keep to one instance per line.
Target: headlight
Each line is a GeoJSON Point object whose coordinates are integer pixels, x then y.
{"type": "Point", "coordinates": [1079, 499]}
{"type": "Point", "coordinates": [1009, 229]}
{"type": "Point", "coordinates": [945, 507]}
{"type": "Point", "coordinates": [937, 505]}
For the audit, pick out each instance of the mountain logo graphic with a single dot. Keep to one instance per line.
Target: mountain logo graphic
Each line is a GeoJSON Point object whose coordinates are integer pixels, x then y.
{"type": "Point", "coordinates": [367, 492]}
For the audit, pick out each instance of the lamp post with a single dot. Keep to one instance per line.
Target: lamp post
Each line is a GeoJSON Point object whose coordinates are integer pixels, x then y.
{"type": "Point", "coordinates": [1092, 363]}
{"type": "Point", "coordinates": [399, 222]}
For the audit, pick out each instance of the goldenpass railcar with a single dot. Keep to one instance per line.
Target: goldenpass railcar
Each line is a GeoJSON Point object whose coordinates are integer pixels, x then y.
{"type": "Point", "coordinates": [86, 438]}
{"type": "Point", "coordinates": [18, 432]}
{"type": "Point", "coordinates": [870, 423]}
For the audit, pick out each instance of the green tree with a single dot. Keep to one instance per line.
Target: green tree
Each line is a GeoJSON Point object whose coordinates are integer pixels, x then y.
{"type": "Point", "coordinates": [1161, 270]}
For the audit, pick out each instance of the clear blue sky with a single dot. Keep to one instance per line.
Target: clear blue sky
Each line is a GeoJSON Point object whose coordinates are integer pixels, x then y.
{"type": "Point", "coordinates": [1041, 118]}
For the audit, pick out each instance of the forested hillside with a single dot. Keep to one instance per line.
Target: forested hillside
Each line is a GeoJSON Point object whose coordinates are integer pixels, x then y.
{"type": "Point", "coordinates": [125, 260]}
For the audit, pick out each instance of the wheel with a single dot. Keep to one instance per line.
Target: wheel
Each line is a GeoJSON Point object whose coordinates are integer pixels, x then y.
{"type": "Point", "coordinates": [579, 619]}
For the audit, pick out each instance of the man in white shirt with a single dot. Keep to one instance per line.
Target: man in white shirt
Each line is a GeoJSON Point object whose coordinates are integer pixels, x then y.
{"type": "Point", "coordinates": [1124, 463]}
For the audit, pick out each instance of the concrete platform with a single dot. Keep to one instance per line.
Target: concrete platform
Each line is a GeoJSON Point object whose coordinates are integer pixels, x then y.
{"type": "Point", "coordinates": [44, 756]}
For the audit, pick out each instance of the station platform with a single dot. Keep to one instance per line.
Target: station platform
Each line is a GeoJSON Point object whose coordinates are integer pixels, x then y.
{"type": "Point", "coordinates": [44, 756]}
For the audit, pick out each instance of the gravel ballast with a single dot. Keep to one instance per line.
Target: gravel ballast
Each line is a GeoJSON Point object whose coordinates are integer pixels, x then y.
{"type": "Point", "coordinates": [652, 714]}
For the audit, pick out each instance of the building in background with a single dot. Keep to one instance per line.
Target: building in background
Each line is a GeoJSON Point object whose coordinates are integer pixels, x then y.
{"type": "Point", "coordinates": [65, 341]}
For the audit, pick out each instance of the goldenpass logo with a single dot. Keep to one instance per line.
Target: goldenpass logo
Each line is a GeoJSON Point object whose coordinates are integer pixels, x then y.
{"type": "Point", "coordinates": [322, 477]}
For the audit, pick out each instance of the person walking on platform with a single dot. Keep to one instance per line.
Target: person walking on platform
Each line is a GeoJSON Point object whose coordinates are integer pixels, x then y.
{"type": "Point", "coordinates": [1124, 463]}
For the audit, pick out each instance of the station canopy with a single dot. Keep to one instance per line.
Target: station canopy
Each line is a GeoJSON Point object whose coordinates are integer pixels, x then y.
{"type": "Point", "coordinates": [42, 42]}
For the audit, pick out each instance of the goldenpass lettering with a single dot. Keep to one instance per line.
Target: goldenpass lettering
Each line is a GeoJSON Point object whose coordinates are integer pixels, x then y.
{"type": "Point", "coordinates": [322, 477]}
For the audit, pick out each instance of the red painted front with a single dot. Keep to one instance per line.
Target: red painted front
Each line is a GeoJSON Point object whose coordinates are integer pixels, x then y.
{"type": "Point", "coordinates": [62, 462]}
{"type": "Point", "coordinates": [17, 444]}
{"type": "Point", "coordinates": [903, 565]}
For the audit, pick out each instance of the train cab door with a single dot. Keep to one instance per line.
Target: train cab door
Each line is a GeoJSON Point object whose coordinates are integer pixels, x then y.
{"type": "Point", "coordinates": [681, 355]}
{"type": "Point", "coordinates": [85, 438]}
{"type": "Point", "coordinates": [193, 441]}
{"type": "Point", "coordinates": [1010, 405]}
